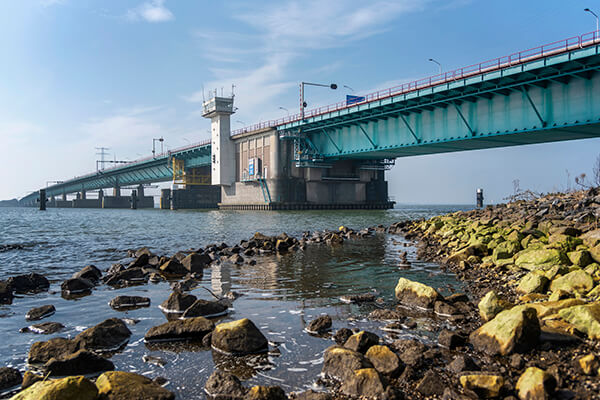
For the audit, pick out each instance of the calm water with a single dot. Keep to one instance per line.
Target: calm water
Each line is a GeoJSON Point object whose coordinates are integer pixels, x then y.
{"type": "Point", "coordinates": [280, 293]}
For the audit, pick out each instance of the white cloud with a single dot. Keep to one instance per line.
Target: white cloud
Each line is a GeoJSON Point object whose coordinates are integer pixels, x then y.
{"type": "Point", "coordinates": [152, 11]}
{"type": "Point", "coordinates": [48, 3]}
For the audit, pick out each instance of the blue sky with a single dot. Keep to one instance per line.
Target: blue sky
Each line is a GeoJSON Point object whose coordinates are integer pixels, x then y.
{"type": "Point", "coordinates": [80, 74]}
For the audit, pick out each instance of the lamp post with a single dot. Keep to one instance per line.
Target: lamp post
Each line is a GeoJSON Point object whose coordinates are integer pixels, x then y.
{"type": "Point", "coordinates": [348, 87]}
{"type": "Point", "coordinates": [161, 140]}
{"type": "Point", "coordinates": [438, 64]}
{"type": "Point", "coordinates": [595, 15]}
{"type": "Point", "coordinates": [286, 110]}
{"type": "Point", "coordinates": [303, 104]}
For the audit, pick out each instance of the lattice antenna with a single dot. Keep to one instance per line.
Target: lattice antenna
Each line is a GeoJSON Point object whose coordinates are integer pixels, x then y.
{"type": "Point", "coordinates": [102, 155]}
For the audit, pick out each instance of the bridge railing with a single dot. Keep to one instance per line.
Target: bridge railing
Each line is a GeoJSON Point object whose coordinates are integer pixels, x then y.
{"type": "Point", "coordinates": [513, 59]}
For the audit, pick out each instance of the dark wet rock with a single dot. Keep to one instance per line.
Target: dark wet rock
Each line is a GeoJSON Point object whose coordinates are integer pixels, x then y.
{"type": "Point", "coordinates": [143, 250]}
{"type": "Point", "coordinates": [45, 328]}
{"type": "Point", "coordinates": [431, 384]}
{"type": "Point", "coordinates": [516, 361]}
{"type": "Point", "coordinates": [514, 330]}
{"type": "Point", "coordinates": [236, 259]}
{"type": "Point", "coordinates": [130, 276]}
{"type": "Point", "coordinates": [384, 360]}
{"type": "Point", "coordinates": [28, 283]}
{"type": "Point", "coordinates": [191, 328]}
{"type": "Point", "coordinates": [364, 382]}
{"type": "Point", "coordinates": [154, 360]}
{"type": "Point", "coordinates": [160, 380]}
{"type": "Point", "coordinates": [196, 262]}
{"type": "Point", "coordinates": [223, 385]}
{"type": "Point", "coordinates": [140, 261]}
{"type": "Point", "coordinates": [6, 293]}
{"type": "Point", "coordinates": [204, 308]}
{"type": "Point", "coordinates": [114, 269]}
{"type": "Point", "coordinates": [89, 272]}
{"type": "Point", "coordinates": [119, 385]}
{"type": "Point", "coordinates": [173, 268]}
{"type": "Point", "coordinates": [451, 339]}
{"type": "Point", "coordinates": [177, 302]}
{"type": "Point", "coordinates": [462, 363]}
{"type": "Point", "coordinates": [385, 314]}
{"type": "Point", "coordinates": [79, 363]}
{"type": "Point", "coordinates": [457, 297]}
{"type": "Point", "coordinates": [37, 313]}
{"type": "Point", "coordinates": [340, 363]}
{"type": "Point", "coordinates": [107, 335]}
{"type": "Point", "coordinates": [41, 352]}
{"type": "Point", "coordinates": [9, 377]}
{"type": "Point", "coordinates": [240, 336]}
{"type": "Point", "coordinates": [444, 309]}
{"type": "Point", "coordinates": [129, 302]}
{"type": "Point", "coordinates": [342, 335]}
{"type": "Point", "coordinates": [319, 325]}
{"type": "Point", "coordinates": [265, 393]}
{"type": "Point", "coordinates": [361, 341]}
{"type": "Point", "coordinates": [410, 351]}
{"type": "Point", "coordinates": [29, 378]}
{"type": "Point", "coordinates": [187, 284]}
{"type": "Point", "coordinates": [312, 395]}
{"type": "Point", "coordinates": [358, 298]}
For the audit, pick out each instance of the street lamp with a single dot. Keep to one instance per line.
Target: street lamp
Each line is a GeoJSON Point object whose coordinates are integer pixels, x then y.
{"type": "Point", "coordinates": [439, 65]}
{"type": "Point", "coordinates": [595, 15]}
{"type": "Point", "coordinates": [348, 87]}
{"type": "Point", "coordinates": [286, 110]}
{"type": "Point", "coordinates": [303, 104]}
{"type": "Point", "coordinates": [161, 140]}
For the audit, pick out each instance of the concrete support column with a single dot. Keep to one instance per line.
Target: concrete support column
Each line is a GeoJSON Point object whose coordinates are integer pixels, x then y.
{"type": "Point", "coordinates": [140, 190]}
{"type": "Point", "coordinates": [134, 199]}
{"type": "Point", "coordinates": [275, 171]}
{"type": "Point", "coordinates": [42, 199]}
{"type": "Point", "coordinates": [165, 199]}
{"type": "Point", "coordinates": [117, 191]}
{"type": "Point", "coordinates": [100, 195]}
{"type": "Point", "coordinates": [78, 195]}
{"type": "Point", "coordinates": [64, 197]}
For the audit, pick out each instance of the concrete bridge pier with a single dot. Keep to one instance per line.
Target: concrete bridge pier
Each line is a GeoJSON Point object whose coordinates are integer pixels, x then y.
{"type": "Point", "coordinates": [195, 197]}
{"type": "Point", "coordinates": [42, 199]}
{"type": "Point", "coordinates": [134, 199]}
{"type": "Point", "coordinates": [165, 199]}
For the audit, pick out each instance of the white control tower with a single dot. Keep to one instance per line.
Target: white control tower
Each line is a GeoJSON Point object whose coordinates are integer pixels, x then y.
{"type": "Point", "coordinates": [219, 110]}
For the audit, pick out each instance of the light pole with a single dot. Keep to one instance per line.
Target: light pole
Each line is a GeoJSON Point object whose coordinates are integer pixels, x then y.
{"type": "Point", "coordinates": [161, 140]}
{"type": "Point", "coordinates": [286, 110]}
{"type": "Point", "coordinates": [348, 87]}
{"type": "Point", "coordinates": [438, 64]}
{"type": "Point", "coordinates": [595, 15]}
{"type": "Point", "coordinates": [303, 104]}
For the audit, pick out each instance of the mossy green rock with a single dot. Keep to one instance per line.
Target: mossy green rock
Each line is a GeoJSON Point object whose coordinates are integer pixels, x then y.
{"type": "Point", "coordinates": [70, 388]}
{"type": "Point", "coordinates": [533, 282]}
{"type": "Point", "coordinates": [575, 281]}
{"type": "Point", "coordinates": [119, 385]}
{"type": "Point", "coordinates": [539, 258]}
{"type": "Point", "coordinates": [506, 250]}
{"type": "Point", "coordinates": [416, 294]}
{"type": "Point", "coordinates": [581, 258]}
{"type": "Point", "coordinates": [585, 318]}
{"type": "Point", "coordinates": [490, 305]}
{"type": "Point", "coordinates": [534, 384]}
{"type": "Point", "coordinates": [564, 242]}
{"type": "Point", "coordinates": [514, 330]}
{"type": "Point", "coordinates": [364, 382]}
{"type": "Point", "coordinates": [486, 386]}
{"type": "Point", "coordinates": [595, 253]}
{"type": "Point", "coordinates": [591, 238]}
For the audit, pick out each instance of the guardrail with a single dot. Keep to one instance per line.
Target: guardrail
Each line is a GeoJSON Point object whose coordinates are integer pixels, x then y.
{"type": "Point", "coordinates": [510, 60]}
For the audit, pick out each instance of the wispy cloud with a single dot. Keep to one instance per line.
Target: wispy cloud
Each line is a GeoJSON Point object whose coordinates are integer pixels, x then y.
{"type": "Point", "coordinates": [48, 3]}
{"type": "Point", "coordinates": [152, 11]}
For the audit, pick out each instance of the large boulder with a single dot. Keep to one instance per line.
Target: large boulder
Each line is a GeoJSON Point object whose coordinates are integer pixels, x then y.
{"type": "Point", "coordinates": [490, 305]}
{"type": "Point", "coordinates": [206, 309]}
{"type": "Point", "coordinates": [585, 318]}
{"type": "Point", "coordinates": [70, 388]}
{"type": "Point", "coordinates": [416, 294]}
{"type": "Point", "coordinates": [535, 384]}
{"type": "Point", "coordinates": [177, 302]}
{"type": "Point", "coordinates": [173, 268]}
{"type": "Point", "coordinates": [28, 283]}
{"type": "Point", "coordinates": [45, 328]}
{"type": "Point", "coordinates": [76, 285]}
{"type": "Point", "coordinates": [540, 258]}
{"type": "Point", "coordinates": [108, 335]}
{"type": "Point", "coordinates": [82, 362]}
{"type": "Point", "coordinates": [575, 281]}
{"type": "Point", "coordinates": [127, 277]}
{"type": "Point", "coordinates": [431, 384]}
{"type": "Point", "coordinates": [239, 337]}
{"type": "Point", "coordinates": [190, 328]}
{"type": "Point", "coordinates": [41, 352]}
{"type": "Point", "coordinates": [383, 359]}
{"type": "Point", "coordinates": [37, 313]}
{"type": "Point", "coordinates": [514, 330]}
{"type": "Point", "coordinates": [547, 308]}
{"type": "Point", "coordinates": [196, 262]}
{"type": "Point", "coordinates": [486, 386]}
{"type": "Point", "coordinates": [6, 293]}
{"type": "Point", "coordinates": [129, 302]}
{"type": "Point", "coordinates": [340, 363]}
{"type": "Point", "coordinates": [319, 325]}
{"type": "Point", "coordinates": [591, 238]}
{"type": "Point", "coordinates": [364, 382]}
{"type": "Point", "coordinates": [9, 378]}
{"type": "Point", "coordinates": [533, 282]}
{"type": "Point", "coordinates": [361, 341]}
{"type": "Point", "coordinates": [224, 385]}
{"type": "Point", "coordinates": [118, 385]}
{"type": "Point", "coordinates": [89, 272]}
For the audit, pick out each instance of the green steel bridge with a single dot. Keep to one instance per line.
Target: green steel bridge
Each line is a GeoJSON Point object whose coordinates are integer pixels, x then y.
{"type": "Point", "coordinates": [545, 94]}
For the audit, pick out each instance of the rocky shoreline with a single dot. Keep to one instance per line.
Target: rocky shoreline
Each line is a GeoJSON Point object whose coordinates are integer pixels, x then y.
{"type": "Point", "coordinates": [527, 326]}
